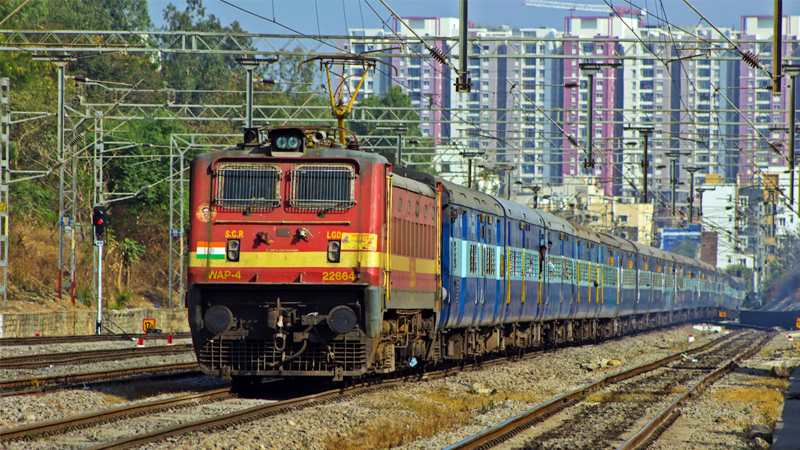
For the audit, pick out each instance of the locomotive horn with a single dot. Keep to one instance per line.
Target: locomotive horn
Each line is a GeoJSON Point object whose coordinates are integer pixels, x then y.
{"type": "Point", "coordinates": [319, 137]}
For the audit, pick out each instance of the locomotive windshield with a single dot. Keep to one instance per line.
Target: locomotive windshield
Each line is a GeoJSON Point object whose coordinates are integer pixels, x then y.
{"type": "Point", "coordinates": [322, 187]}
{"type": "Point", "coordinates": [247, 185]}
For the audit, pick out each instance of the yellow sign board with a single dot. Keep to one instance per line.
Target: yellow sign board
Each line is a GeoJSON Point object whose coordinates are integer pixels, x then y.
{"type": "Point", "coordinates": [797, 324]}
{"type": "Point", "coordinates": [148, 324]}
{"type": "Point", "coordinates": [723, 314]}
{"type": "Point", "coordinates": [360, 241]}
{"type": "Point", "coordinates": [713, 178]}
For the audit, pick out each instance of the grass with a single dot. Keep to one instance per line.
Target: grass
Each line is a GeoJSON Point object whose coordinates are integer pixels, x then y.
{"type": "Point", "coordinates": [765, 401]}
{"type": "Point", "coordinates": [774, 383]}
{"type": "Point", "coordinates": [112, 399]}
{"type": "Point", "coordinates": [406, 419]}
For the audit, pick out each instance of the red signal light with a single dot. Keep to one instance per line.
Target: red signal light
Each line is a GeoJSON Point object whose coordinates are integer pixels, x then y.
{"type": "Point", "coordinates": [99, 221]}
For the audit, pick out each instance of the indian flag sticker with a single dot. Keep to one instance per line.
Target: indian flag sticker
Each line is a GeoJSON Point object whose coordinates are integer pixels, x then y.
{"type": "Point", "coordinates": [212, 250]}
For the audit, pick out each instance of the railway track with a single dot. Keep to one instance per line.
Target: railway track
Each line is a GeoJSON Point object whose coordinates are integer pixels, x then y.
{"type": "Point", "coordinates": [90, 356]}
{"type": "Point", "coordinates": [220, 421]}
{"type": "Point", "coordinates": [40, 384]}
{"type": "Point", "coordinates": [620, 401]}
{"type": "Point", "coordinates": [8, 342]}
{"type": "Point", "coordinates": [60, 426]}
{"type": "Point", "coordinates": [226, 420]}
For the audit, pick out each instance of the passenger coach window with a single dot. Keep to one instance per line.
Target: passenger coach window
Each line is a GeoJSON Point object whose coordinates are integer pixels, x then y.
{"type": "Point", "coordinates": [247, 186]}
{"type": "Point", "coordinates": [326, 187]}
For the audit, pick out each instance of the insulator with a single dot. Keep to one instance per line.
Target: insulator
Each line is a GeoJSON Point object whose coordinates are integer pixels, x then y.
{"type": "Point", "coordinates": [751, 59]}
{"type": "Point", "coordinates": [76, 139]}
{"type": "Point", "coordinates": [268, 83]}
{"type": "Point", "coordinates": [438, 55]}
{"type": "Point", "coordinates": [572, 140]}
{"type": "Point", "coordinates": [571, 84]}
{"type": "Point", "coordinates": [774, 148]}
{"type": "Point", "coordinates": [79, 79]}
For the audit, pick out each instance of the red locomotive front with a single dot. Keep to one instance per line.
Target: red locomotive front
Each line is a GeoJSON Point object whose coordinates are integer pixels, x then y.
{"type": "Point", "coordinates": [286, 256]}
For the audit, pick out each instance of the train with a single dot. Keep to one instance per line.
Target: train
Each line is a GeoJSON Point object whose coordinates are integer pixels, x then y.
{"type": "Point", "coordinates": [311, 257]}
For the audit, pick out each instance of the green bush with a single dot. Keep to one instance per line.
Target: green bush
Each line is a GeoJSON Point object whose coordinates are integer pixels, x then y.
{"type": "Point", "coordinates": [122, 300]}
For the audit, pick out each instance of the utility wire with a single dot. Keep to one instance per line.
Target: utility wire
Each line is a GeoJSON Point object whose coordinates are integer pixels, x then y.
{"type": "Point", "coordinates": [14, 12]}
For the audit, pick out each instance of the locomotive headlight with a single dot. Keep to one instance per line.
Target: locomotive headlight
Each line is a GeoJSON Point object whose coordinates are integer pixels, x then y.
{"type": "Point", "coordinates": [333, 251]}
{"type": "Point", "coordinates": [233, 250]}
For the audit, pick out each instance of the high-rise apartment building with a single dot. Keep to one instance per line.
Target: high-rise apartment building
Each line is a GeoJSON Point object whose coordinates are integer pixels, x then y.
{"type": "Point", "coordinates": [680, 81]}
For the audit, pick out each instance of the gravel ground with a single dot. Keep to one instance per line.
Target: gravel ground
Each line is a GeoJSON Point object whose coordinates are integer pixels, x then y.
{"type": "Point", "coordinates": [449, 409]}
{"type": "Point", "coordinates": [27, 409]}
{"type": "Point", "coordinates": [615, 412]}
{"type": "Point", "coordinates": [23, 350]}
{"type": "Point", "coordinates": [92, 436]}
{"type": "Point", "coordinates": [723, 415]}
{"type": "Point", "coordinates": [14, 374]}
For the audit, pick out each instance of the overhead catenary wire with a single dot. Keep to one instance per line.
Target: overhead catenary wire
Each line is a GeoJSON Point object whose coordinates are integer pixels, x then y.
{"type": "Point", "coordinates": [387, 73]}
{"type": "Point", "coordinates": [747, 58]}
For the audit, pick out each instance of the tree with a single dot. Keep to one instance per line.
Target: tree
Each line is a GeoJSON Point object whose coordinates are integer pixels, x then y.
{"type": "Point", "coordinates": [195, 71]}
{"type": "Point", "coordinates": [131, 252]}
{"type": "Point", "coordinates": [125, 174]}
{"type": "Point", "coordinates": [393, 99]}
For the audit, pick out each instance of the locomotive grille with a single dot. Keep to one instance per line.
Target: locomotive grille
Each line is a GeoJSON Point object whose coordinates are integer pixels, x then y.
{"type": "Point", "coordinates": [247, 186]}
{"type": "Point", "coordinates": [322, 187]}
{"type": "Point", "coordinates": [350, 355]}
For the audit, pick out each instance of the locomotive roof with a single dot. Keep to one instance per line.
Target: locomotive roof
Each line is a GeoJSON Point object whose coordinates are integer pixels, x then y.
{"type": "Point", "coordinates": [469, 198]}
{"type": "Point", "coordinates": [586, 233]}
{"type": "Point", "coordinates": [412, 185]}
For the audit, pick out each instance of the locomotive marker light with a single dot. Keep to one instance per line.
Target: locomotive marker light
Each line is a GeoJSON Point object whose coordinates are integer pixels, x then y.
{"type": "Point", "coordinates": [334, 248]}
{"type": "Point", "coordinates": [233, 250]}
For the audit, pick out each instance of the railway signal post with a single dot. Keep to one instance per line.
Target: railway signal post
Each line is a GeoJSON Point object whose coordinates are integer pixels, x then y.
{"type": "Point", "coordinates": [99, 222]}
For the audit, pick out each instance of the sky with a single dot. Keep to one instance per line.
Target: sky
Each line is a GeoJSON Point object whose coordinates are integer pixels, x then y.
{"type": "Point", "coordinates": [328, 16]}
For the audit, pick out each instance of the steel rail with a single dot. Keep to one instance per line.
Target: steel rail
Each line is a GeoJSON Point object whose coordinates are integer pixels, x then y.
{"type": "Point", "coordinates": [64, 425]}
{"type": "Point", "coordinates": [40, 384]}
{"type": "Point", "coordinates": [263, 411]}
{"type": "Point", "coordinates": [45, 359]}
{"type": "Point", "coordinates": [247, 415]}
{"type": "Point", "coordinates": [8, 342]}
{"type": "Point", "coordinates": [666, 417]}
{"type": "Point", "coordinates": [60, 426]}
{"type": "Point", "coordinates": [511, 427]}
